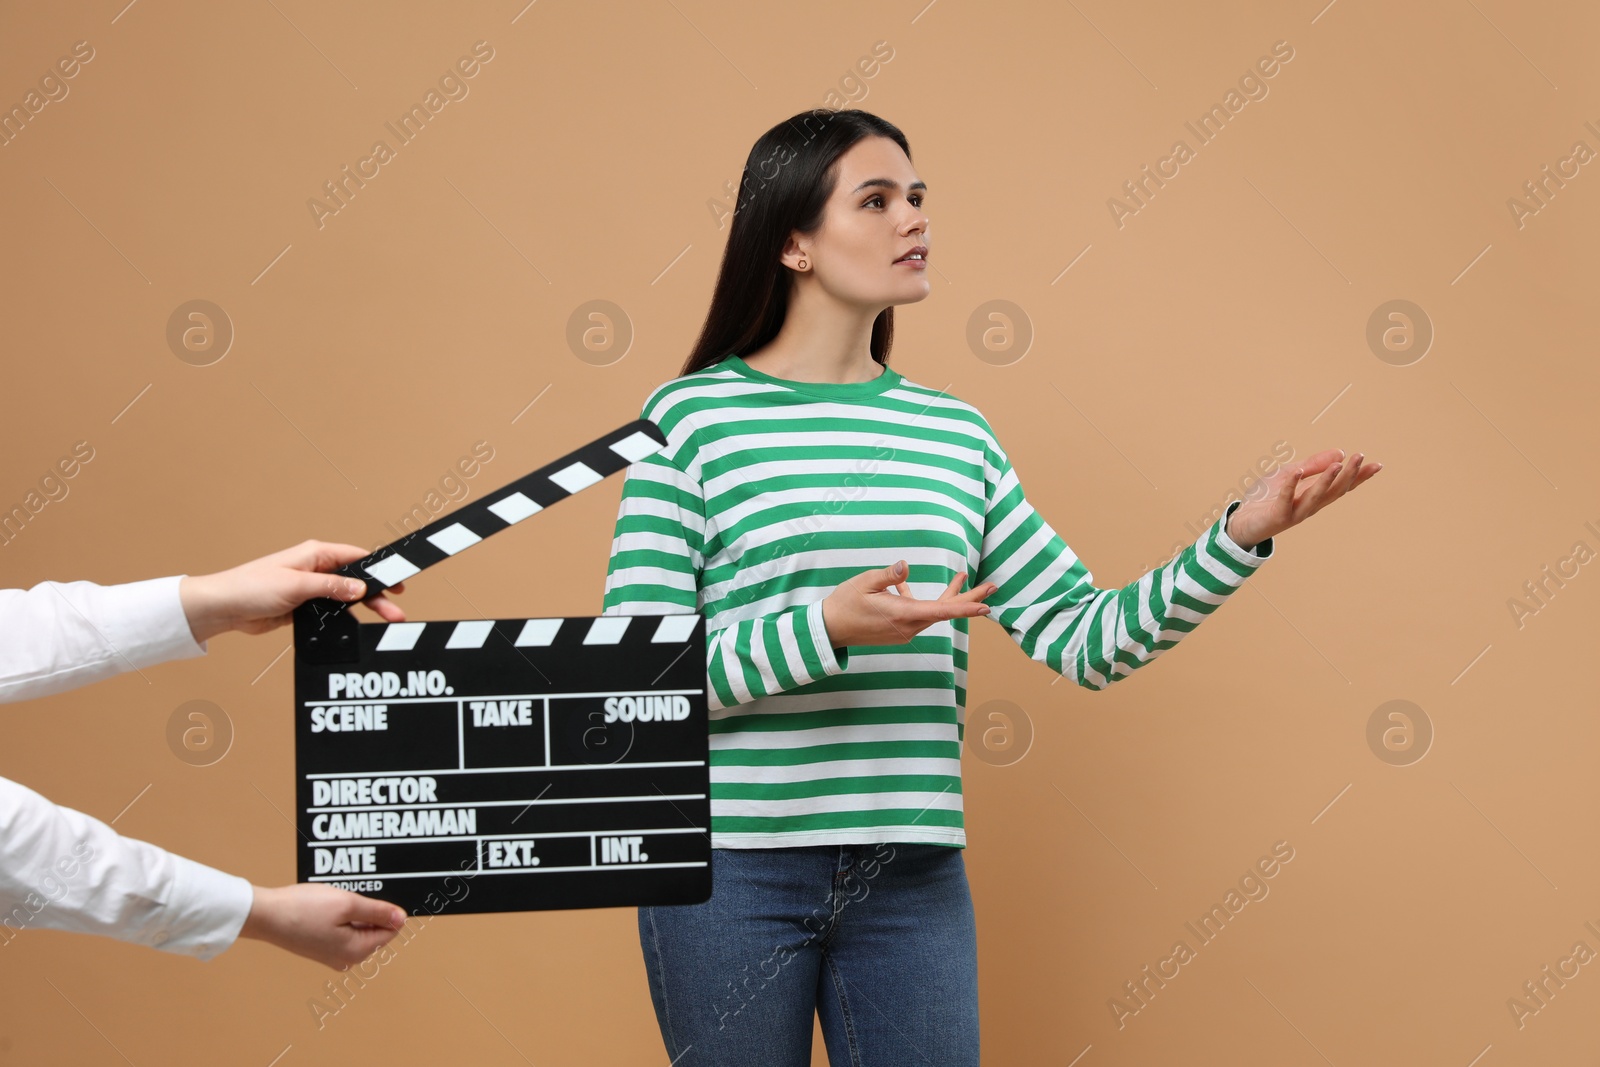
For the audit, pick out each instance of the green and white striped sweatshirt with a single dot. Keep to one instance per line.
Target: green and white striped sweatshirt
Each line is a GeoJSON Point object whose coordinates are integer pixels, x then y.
{"type": "Point", "coordinates": [768, 495]}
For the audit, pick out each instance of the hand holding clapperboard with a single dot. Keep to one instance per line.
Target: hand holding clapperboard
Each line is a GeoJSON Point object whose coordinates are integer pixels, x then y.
{"type": "Point", "coordinates": [503, 764]}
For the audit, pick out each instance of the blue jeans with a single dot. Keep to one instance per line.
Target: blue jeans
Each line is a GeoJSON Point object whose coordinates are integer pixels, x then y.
{"type": "Point", "coordinates": [876, 940]}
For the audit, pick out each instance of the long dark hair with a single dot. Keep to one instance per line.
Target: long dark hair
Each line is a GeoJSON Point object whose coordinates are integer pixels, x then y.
{"type": "Point", "coordinates": [752, 292]}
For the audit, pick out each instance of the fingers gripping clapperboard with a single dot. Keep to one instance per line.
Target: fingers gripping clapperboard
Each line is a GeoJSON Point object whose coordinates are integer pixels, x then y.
{"type": "Point", "coordinates": [542, 762]}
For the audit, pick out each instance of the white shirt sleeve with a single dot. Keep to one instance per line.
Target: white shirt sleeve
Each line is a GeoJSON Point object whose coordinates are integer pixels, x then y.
{"type": "Point", "coordinates": [62, 869]}
{"type": "Point", "coordinates": [60, 635]}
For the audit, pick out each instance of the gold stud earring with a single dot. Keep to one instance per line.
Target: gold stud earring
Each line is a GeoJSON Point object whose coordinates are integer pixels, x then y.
{"type": "Point", "coordinates": [802, 264]}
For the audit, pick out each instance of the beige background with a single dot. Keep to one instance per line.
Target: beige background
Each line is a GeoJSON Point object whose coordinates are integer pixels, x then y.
{"type": "Point", "coordinates": [1228, 314]}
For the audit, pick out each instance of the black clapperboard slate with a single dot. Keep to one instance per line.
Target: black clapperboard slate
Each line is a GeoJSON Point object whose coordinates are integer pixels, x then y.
{"type": "Point", "coordinates": [503, 764]}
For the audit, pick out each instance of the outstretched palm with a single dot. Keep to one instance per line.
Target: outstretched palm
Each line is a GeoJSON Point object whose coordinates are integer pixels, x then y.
{"type": "Point", "coordinates": [1280, 508]}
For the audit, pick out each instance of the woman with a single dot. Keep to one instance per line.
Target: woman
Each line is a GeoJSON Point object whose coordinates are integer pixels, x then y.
{"type": "Point", "coordinates": [826, 514]}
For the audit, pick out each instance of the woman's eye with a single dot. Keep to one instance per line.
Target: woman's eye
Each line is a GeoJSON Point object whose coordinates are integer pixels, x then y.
{"type": "Point", "coordinates": [916, 198]}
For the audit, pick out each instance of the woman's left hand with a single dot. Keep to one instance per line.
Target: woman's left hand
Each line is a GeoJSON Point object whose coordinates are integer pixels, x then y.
{"type": "Point", "coordinates": [261, 595]}
{"type": "Point", "coordinates": [1280, 508]}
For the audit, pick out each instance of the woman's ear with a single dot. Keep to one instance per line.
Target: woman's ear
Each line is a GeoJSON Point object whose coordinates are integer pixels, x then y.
{"type": "Point", "coordinates": [795, 255]}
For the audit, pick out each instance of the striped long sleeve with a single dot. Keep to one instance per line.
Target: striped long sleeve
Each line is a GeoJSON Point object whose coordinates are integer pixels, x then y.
{"type": "Point", "coordinates": [1047, 601]}
{"type": "Point", "coordinates": [771, 492]}
{"type": "Point", "coordinates": [658, 554]}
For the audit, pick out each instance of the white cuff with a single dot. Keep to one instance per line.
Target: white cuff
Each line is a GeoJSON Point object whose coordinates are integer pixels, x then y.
{"type": "Point", "coordinates": [209, 908]}
{"type": "Point", "coordinates": [1250, 557]}
{"type": "Point", "coordinates": [60, 635]}
{"type": "Point", "coordinates": [145, 621]}
{"type": "Point", "coordinates": [834, 658]}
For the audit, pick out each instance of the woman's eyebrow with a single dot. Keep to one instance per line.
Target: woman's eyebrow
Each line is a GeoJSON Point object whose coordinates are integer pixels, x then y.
{"type": "Point", "coordinates": [888, 183]}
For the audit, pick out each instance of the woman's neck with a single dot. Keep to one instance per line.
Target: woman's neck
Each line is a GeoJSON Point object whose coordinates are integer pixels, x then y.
{"type": "Point", "coordinates": [820, 344]}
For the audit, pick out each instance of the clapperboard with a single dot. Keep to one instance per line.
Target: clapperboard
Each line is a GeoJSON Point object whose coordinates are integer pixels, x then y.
{"type": "Point", "coordinates": [503, 764]}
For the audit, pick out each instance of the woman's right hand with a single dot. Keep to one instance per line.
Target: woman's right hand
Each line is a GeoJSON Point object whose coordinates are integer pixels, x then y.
{"type": "Point", "coordinates": [862, 612]}
{"type": "Point", "coordinates": [321, 922]}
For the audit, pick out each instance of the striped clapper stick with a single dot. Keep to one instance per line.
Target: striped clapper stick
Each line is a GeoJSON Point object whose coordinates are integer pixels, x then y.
{"type": "Point", "coordinates": [503, 764]}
